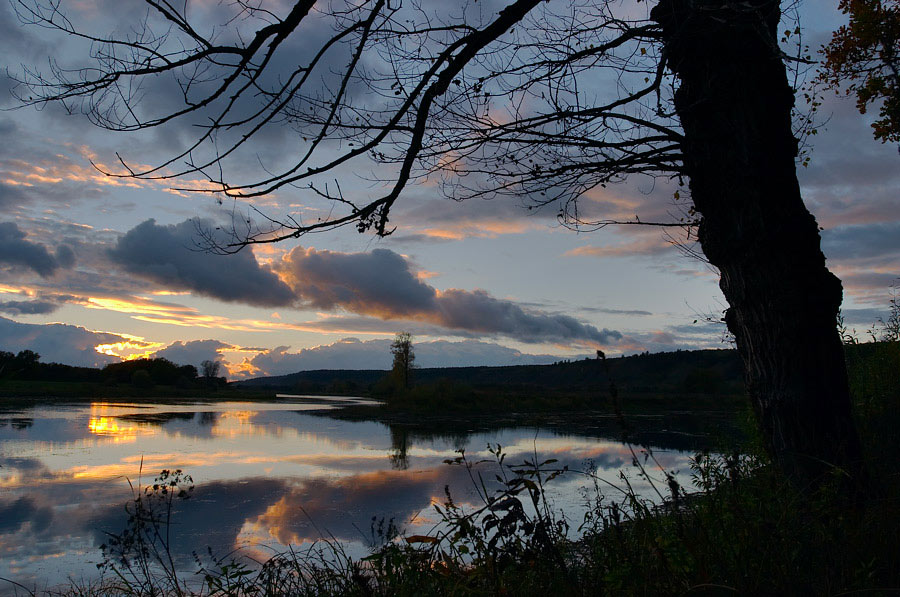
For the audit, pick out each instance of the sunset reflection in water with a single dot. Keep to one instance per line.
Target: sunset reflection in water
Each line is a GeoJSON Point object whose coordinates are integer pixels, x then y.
{"type": "Point", "coordinates": [267, 475]}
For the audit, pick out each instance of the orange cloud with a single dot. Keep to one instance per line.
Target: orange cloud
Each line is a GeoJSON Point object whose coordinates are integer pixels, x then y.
{"type": "Point", "coordinates": [128, 350]}
{"type": "Point", "coordinates": [648, 245]}
{"type": "Point", "coordinates": [144, 309]}
{"type": "Point", "coordinates": [243, 369]}
{"type": "Point", "coordinates": [4, 289]}
{"type": "Point", "coordinates": [479, 229]}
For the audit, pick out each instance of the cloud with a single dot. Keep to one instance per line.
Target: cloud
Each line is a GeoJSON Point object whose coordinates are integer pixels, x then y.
{"type": "Point", "coordinates": [428, 217]}
{"type": "Point", "coordinates": [881, 241]}
{"type": "Point", "coordinates": [379, 283]}
{"type": "Point", "coordinates": [10, 196]}
{"type": "Point", "coordinates": [852, 179]}
{"type": "Point", "coordinates": [645, 244]}
{"type": "Point", "coordinates": [865, 317]}
{"type": "Point", "coordinates": [382, 284]}
{"type": "Point", "coordinates": [28, 307]}
{"type": "Point", "coordinates": [340, 507]}
{"type": "Point", "coordinates": [164, 254]}
{"type": "Point", "coordinates": [689, 336]}
{"type": "Point", "coordinates": [58, 342]}
{"type": "Point", "coordinates": [633, 312]}
{"type": "Point", "coordinates": [193, 352]}
{"type": "Point", "coordinates": [17, 251]}
{"type": "Point", "coordinates": [865, 258]}
{"type": "Point", "coordinates": [478, 311]}
{"type": "Point", "coordinates": [870, 286]}
{"type": "Point", "coordinates": [352, 353]}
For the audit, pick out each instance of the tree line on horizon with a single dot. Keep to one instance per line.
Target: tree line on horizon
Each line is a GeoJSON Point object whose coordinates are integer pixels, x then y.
{"type": "Point", "coordinates": [143, 373]}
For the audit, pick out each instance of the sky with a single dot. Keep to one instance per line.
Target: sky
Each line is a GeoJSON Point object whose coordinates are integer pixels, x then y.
{"type": "Point", "coordinates": [95, 269]}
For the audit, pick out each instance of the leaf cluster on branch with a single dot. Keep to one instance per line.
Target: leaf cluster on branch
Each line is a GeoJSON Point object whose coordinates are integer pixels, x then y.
{"type": "Point", "coordinates": [863, 58]}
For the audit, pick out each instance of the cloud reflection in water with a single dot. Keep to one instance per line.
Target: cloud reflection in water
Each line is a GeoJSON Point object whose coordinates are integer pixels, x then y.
{"type": "Point", "coordinates": [267, 475]}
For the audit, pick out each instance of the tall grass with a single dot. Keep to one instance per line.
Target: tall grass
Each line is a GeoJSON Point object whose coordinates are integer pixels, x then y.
{"type": "Point", "coordinates": [743, 531]}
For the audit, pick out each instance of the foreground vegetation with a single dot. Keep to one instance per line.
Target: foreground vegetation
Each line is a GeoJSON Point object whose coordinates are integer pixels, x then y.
{"type": "Point", "coordinates": [743, 530]}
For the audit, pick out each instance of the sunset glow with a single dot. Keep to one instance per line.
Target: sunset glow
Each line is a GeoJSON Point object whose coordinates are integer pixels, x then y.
{"type": "Point", "coordinates": [424, 297]}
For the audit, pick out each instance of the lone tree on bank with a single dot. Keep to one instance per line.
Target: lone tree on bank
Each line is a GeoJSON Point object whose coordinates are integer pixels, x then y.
{"type": "Point", "coordinates": [542, 101]}
{"type": "Point", "coordinates": [210, 369]}
{"type": "Point", "coordinates": [404, 358]}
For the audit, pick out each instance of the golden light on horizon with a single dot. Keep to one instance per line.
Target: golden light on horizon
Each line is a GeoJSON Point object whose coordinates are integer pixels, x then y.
{"type": "Point", "coordinates": [134, 306]}
{"type": "Point", "coordinates": [16, 290]}
{"type": "Point", "coordinates": [129, 350]}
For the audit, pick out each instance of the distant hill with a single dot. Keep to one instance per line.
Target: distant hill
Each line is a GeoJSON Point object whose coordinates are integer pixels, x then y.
{"type": "Point", "coordinates": [693, 372]}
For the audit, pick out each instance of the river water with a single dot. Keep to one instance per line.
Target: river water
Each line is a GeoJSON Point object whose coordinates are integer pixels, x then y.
{"type": "Point", "coordinates": [268, 476]}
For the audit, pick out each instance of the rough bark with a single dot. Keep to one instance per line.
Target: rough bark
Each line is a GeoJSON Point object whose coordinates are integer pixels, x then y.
{"type": "Point", "coordinates": [734, 102]}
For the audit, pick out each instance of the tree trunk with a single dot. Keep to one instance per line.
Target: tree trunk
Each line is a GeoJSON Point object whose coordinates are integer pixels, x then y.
{"type": "Point", "coordinates": [734, 102]}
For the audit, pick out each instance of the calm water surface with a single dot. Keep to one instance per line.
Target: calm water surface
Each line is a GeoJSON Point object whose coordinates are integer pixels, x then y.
{"type": "Point", "coordinates": [267, 475]}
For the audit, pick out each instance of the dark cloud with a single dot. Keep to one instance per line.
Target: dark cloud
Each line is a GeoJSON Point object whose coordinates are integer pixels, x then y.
{"type": "Point", "coordinates": [168, 256]}
{"type": "Point", "coordinates": [636, 312]}
{"type": "Point", "coordinates": [351, 353]}
{"type": "Point", "coordinates": [379, 282]}
{"type": "Point", "coordinates": [193, 352]}
{"type": "Point", "coordinates": [868, 285]}
{"type": "Point", "coordinates": [880, 240]}
{"type": "Point", "coordinates": [865, 317]}
{"type": "Point", "coordinates": [478, 311]}
{"type": "Point", "coordinates": [24, 510]}
{"type": "Point", "coordinates": [57, 342]}
{"type": "Point", "coordinates": [559, 305]}
{"type": "Point", "coordinates": [382, 284]}
{"type": "Point", "coordinates": [10, 196]}
{"type": "Point", "coordinates": [28, 307]}
{"type": "Point", "coordinates": [17, 251]}
{"type": "Point", "coordinates": [361, 324]}
{"type": "Point", "coordinates": [65, 256]}
{"type": "Point", "coordinates": [17, 40]}
{"type": "Point", "coordinates": [851, 179]}
{"type": "Point", "coordinates": [339, 508]}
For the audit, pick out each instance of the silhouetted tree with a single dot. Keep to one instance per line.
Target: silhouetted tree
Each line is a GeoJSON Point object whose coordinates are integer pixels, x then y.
{"type": "Point", "coordinates": [24, 364]}
{"type": "Point", "coordinates": [540, 101]}
{"type": "Point", "coordinates": [210, 369]}
{"type": "Point", "coordinates": [7, 360]}
{"type": "Point", "coordinates": [404, 358]}
{"type": "Point", "coordinates": [27, 358]}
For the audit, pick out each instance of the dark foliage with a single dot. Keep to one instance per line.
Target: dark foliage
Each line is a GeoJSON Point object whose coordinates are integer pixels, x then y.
{"type": "Point", "coordinates": [160, 371]}
{"type": "Point", "coordinates": [673, 373]}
